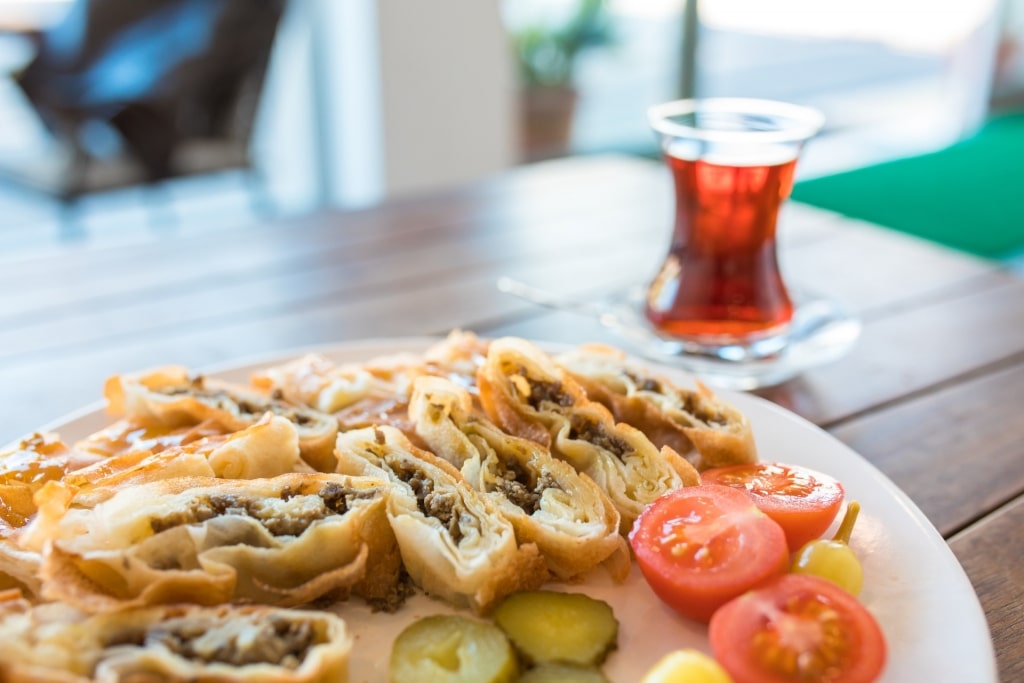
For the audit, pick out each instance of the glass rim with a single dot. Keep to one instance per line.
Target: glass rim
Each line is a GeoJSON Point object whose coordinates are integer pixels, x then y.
{"type": "Point", "coordinates": [803, 122]}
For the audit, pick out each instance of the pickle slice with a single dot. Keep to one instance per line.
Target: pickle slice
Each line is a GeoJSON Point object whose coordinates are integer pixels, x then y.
{"type": "Point", "coordinates": [452, 649]}
{"type": "Point", "coordinates": [550, 626]}
{"type": "Point", "coordinates": [562, 673]}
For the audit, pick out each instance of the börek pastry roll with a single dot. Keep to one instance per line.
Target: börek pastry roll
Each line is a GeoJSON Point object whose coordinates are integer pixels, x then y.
{"type": "Point", "coordinates": [454, 543]}
{"type": "Point", "coordinates": [706, 430]}
{"type": "Point", "coordinates": [169, 396]}
{"type": "Point", "coordinates": [549, 503]}
{"type": "Point", "coordinates": [56, 643]}
{"type": "Point", "coordinates": [283, 541]}
{"type": "Point", "coordinates": [528, 394]}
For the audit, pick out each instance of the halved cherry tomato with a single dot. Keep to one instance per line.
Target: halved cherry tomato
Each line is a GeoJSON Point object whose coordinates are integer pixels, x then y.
{"type": "Point", "coordinates": [797, 628]}
{"type": "Point", "coordinates": [700, 546]}
{"type": "Point", "coordinates": [802, 500]}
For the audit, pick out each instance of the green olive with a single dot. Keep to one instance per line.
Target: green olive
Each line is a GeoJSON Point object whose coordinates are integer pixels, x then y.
{"type": "Point", "coordinates": [834, 560]}
{"type": "Point", "coordinates": [452, 649]}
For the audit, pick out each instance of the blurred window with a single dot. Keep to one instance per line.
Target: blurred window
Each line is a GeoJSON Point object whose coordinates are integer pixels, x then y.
{"type": "Point", "coordinates": [893, 77]}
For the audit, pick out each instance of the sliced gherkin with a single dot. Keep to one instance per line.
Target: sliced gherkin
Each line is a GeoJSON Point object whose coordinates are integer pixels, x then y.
{"type": "Point", "coordinates": [550, 626]}
{"type": "Point", "coordinates": [452, 649]}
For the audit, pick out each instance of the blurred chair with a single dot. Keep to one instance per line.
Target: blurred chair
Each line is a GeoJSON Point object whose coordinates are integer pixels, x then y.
{"type": "Point", "coordinates": [178, 80]}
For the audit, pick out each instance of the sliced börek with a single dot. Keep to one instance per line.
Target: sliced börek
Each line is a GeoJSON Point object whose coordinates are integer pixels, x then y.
{"type": "Point", "coordinates": [549, 503]}
{"type": "Point", "coordinates": [454, 543]}
{"type": "Point", "coordinates": [707, 430]}
{"type": "Point", "coordinates": [375, 392]}
{"type": "Point", "coordinates": [266, 449]}
{"type": "Point", "coordinates": [357, 394]}
{"type": "Point", "coordinates": [281, 541]}
{"type": "Point", "coordinates": [318, 382]}
{"type": "Point", "coordinates": [56, 643]}
{"type": "Point", "coordinates": [168, 396]}
{"type": "Point", "coordinates": [458, 357]}
{"type": "Point", "coordinates": [24, 469]}
{"type": "Point", "coordinates": [528, 394]}
{"type": "Point", "coordinates": [127, 435]}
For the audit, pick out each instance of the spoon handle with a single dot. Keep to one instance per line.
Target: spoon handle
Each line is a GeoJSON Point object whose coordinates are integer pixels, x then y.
{"type": "Point", "coordinates": [547, 299]}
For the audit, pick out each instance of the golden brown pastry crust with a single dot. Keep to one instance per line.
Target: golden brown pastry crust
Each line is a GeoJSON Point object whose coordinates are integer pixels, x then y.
{"type": "Point", "coordinates": [169, 396]}
{"type": "Point", "coordinates": [287, 540]}
{"type": "Point", "coordinates": [227, 644]}
{"type": "Point", "coordinates": [19, 568]}
{"type": "Point", "coordinates": [455, 545]}
{"type": "Point", "coordinates": [549, 503]}
{"type": "Point", "coordinates": [529, 395]}
{"type": "Point", "coordinates": [457, 358]}
{"type": "Point", "coordinates": [266, 449]}
{"type": "Point", "coordinates": [24, 469]}
{"type": "Point", "coordinates": [319, 383]}
{"type": "Point", "coordinates": [126, 436]}
{"type": "Point", "coordinates": [374, 392]}
{"type": "Point", "coordinates": [708, 431]}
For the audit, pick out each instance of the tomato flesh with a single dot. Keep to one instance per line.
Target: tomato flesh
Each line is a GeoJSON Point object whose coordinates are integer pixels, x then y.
{"type": "Point", "coordinates": [797, 628]}
{"type": "Point", "coordinates": [804, 502]}
{"type": "Point", "coordinates": [700, 546]}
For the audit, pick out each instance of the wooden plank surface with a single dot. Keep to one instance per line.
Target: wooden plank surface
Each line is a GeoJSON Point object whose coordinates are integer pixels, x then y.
{"type": "Point", "coordinates": [912, 349]}
{"type": "Point", "coordinates": [992, 554]}
{"type": "Point", "coordinates": [955, 451]}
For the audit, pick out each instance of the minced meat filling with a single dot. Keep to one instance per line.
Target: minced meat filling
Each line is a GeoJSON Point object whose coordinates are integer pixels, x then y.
{"type": "Point", "coordinates": [275, 641]}
{"type": "Point", "coordinates": [287, 411]}
{"type": "Point", "coordinates": [643, 383]}
{"type": "Point", "coordinates": [595, 433]}
{"type": "Point", "coordinates": [293, 520]}
{"type": "Point", "coordinates": [650, 385]}
{"type": "Point", "coordinates": [692, 406]}
{"type": "Point", "coordinates": [339, 499]}
{"type": "Point", "coordinates": [396, 595]}
{"type": "Point", "coordinates": [691, 402]}
{"type": "Point", "coordinates": [516, 486]}
{"type": "Point", "coordinates": [547, 392]}
{"type": "Point", "coordinates": [247, 409]}
{"type": "Point", "coordinates": [443, 506]}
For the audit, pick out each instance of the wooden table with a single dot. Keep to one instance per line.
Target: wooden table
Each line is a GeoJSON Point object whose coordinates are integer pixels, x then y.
{"type": "Point", "coordinates": [931, 394]}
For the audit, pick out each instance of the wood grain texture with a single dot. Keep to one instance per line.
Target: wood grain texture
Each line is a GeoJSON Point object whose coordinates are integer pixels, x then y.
{"type": "Point", "coordinates": [913, 348]}
{"type": "Point", "coordinates": [955, 451]}
{"type": "Point", "coordinates": [992, 554]}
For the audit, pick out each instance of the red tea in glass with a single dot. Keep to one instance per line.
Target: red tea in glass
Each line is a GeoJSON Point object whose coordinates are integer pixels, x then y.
{"type": "Point", "coordinates": [721, 276]}
{"type": "Point", "coordinates": [732, 163]}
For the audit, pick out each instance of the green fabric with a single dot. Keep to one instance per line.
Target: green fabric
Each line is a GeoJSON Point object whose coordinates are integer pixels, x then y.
{"type": "Point", "coordinates": [969, 196]}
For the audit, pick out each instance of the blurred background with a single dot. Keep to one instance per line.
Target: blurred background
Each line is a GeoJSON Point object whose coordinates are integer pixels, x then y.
{"type": "Point", "coordinates": [124, 115]}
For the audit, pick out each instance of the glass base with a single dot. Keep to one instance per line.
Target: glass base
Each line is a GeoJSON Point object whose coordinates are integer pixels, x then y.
{"type": "Point", "coordinates": [820, 332]}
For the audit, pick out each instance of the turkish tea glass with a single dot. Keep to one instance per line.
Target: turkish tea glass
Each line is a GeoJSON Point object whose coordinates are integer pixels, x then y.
{"type": "Point", "coordinates": [732, 162]}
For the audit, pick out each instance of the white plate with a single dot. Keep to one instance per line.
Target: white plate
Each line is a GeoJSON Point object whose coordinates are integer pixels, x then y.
{"type": "Point", "coordinates": [933, 623]}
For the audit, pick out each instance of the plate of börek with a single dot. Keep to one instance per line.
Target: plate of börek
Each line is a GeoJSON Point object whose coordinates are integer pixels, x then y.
{"type": "Point", "coordinates": [286, 518]}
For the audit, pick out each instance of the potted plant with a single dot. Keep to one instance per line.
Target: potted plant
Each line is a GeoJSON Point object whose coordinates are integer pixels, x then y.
{"type": "Point", "coordinates": [547, 57]}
